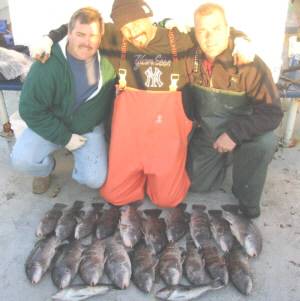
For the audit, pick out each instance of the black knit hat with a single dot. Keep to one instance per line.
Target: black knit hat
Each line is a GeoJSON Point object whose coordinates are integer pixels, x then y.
{"type": "Point", "coordinates": [125, 11]}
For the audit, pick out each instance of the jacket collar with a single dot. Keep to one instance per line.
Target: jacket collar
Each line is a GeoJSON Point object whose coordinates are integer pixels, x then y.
{"type": "Point", "coordinates": [63, 46]}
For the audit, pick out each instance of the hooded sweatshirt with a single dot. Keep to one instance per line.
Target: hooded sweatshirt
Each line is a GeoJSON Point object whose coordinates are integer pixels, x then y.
{"type": "Point", "coordinates": [48, 97]}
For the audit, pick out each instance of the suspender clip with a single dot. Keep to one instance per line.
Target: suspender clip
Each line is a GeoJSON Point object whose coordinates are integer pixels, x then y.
{"type": "Point", "coordinates": [122, 78]}
{"type": "Point", "coordinates": [174, 80]}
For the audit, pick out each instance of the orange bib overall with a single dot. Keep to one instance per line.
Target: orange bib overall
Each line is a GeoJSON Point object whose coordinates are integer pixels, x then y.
{"type": "Point", "coordinates": [148, 148]}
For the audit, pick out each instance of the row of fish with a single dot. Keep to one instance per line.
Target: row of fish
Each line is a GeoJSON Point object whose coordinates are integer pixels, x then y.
{"type": "Point", "coordinates": [111, 256]}
{"type": "Point", "coordinates": [147, 235]}
{"type": "Point", "coordinates": [157, 232]}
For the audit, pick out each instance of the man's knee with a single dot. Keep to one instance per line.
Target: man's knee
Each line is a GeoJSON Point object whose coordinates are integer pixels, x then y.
{"type": "Point", "coordinates": [20, 161]}
{"type": "Point", "coordinates": [94, 183]}
{"type": "Point", "coordinates": [205, 181]}
{"type": "Point", "coordinates": [168, 199]}
{"type": "Point", "coordinates": [268, 141]}
{"type": "Point", "coordinates": [202, 186]}
{"type": "Point", "coordinates": [263, 147]}
{"type": "Point", "coordinates": [92, 180]}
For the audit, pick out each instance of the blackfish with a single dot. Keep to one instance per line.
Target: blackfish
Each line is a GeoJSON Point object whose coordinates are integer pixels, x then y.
{"type": "Point", "coordinates": [206, 253]}
{"type": "Point", "coordinates": [65, 269]}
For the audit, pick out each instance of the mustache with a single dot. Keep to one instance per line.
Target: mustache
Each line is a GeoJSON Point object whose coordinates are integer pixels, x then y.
{"type": "Point", "coordinates": [85, 46]}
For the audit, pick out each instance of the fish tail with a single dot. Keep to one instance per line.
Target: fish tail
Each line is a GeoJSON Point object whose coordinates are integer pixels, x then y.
{"type": "Point", "coordinates": [136, 204]}
{"type": "Point", "coordinates": [152, 212]}
{"type": "Point", "coordinates": [231, 208]}
{"type": "Point", "coordinates": [78, 204]}
{"type": "Point", "coordinates": [217, 213]}
{"type": "Point", "coordinates": [59, 206]}
{"type": "Point", "coordinates": [97, 206]}
{"type": "Point", "coordinates": [198, 207]}
{"type": "Point", "coordinates": [182, 206]}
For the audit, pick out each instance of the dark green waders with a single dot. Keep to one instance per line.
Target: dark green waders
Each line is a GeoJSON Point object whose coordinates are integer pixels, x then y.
{"type": "Point", "coordinates": [207, 168]}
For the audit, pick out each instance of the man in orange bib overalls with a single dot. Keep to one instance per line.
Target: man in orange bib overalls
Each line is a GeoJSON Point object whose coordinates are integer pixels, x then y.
{"type": "Point", "coordinates": [150, 129]}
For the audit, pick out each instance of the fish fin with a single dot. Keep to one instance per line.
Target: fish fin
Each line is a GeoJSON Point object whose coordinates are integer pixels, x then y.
{"type": "Point", "coordinates": [217, 213]}
{"type": "Point", "coordinates": [231, 208]}
{"type": "Point", "coordinates": [152, 212]}
{"type": "Point", "coordinates": [198, 207]}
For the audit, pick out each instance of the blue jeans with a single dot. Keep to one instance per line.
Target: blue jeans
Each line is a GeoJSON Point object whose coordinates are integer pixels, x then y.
{"type": "Point", "coordinates": [34, 155]}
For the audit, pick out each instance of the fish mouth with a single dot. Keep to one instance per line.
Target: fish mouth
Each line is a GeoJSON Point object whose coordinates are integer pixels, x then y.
{"type": "Point", "coordinates": [124, 284]}
{"type": "Point", "coordinates": [36, 277]}
{"type": "Point", "coordinates": [34, 273]}
{"type": "Point", "coordinates": [174, 277]}
{"type": "Point", "coordinates": [65, 281]}
{"type": "Point", "coordinates": [39, 233]}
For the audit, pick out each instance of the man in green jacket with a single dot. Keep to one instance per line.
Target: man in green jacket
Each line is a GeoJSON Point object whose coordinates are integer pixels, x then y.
{"type": "Point", "coordinates": [64, 103]}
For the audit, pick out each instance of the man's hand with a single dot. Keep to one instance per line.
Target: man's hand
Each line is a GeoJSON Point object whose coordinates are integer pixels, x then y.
{"type": "Point", "coordinates": [224, 144]}
{"type": "Point", "coordinates": [75, 142]}
{"type": "Point", "coordinates": [183, 28]}
{"type": "Point", "coordinates": [243, 52]}
{"type": "Point", "coordinates": [41, 50]}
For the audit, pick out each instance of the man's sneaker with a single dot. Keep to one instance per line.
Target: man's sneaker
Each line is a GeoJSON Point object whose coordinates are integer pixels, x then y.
{"type": "Point", "coordinates": [40, 184]}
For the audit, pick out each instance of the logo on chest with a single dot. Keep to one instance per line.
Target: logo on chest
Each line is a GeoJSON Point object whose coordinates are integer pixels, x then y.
{"type": "Point", "coordinates": [153, 78]}
{"type": "Point", "coordinates": [153, 67]}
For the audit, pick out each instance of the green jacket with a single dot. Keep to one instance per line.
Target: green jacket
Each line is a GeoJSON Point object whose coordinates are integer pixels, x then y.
{"type": "Point", "coordinates": [48, 95]}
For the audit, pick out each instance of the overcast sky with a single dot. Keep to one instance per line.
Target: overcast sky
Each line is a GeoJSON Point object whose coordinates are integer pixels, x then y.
{"type": "Point", "coordinates": [261, 20]}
